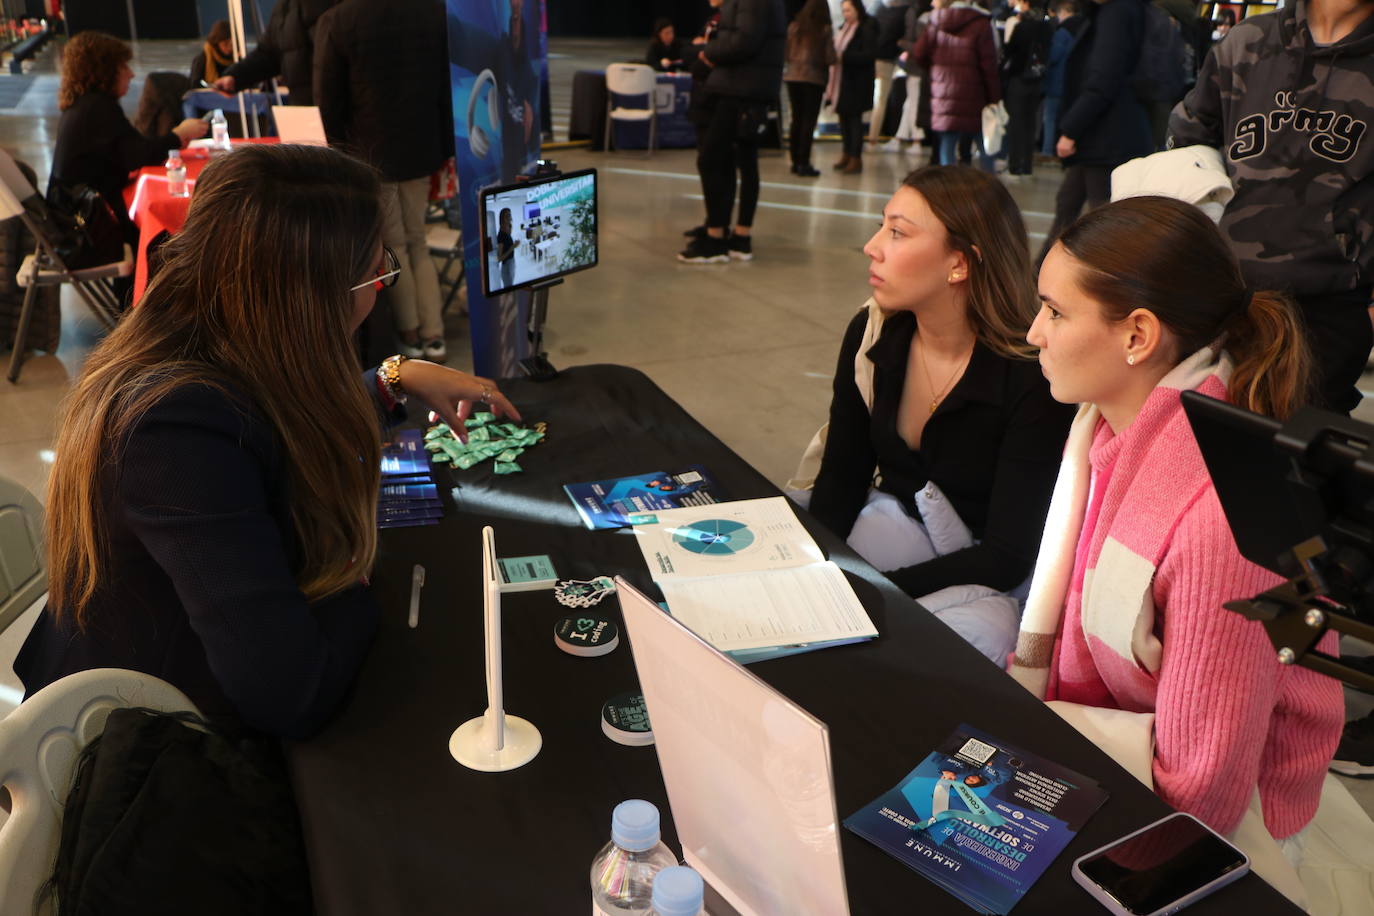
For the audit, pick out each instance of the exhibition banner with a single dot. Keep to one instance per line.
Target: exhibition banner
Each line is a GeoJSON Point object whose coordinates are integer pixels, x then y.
{"type": "Point", "coordinates": [497, 52]}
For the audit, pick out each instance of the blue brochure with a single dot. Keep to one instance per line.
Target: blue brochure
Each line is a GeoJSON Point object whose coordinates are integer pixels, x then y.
{"type": "Point", "coordinates": [980, 818]}
{"type": "Point", "coordinates": [610, 503]}
{"type": "Point", "coordinates": [405, 455]}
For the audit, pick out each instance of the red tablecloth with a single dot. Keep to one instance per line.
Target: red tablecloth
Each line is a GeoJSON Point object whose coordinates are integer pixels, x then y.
{"type": "Point", "coordinates": [153, 209]}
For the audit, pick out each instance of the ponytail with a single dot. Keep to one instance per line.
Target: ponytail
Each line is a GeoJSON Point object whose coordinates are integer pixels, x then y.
{"type": "Point", "coordinates": [1272, 360]}
{"type": "Point", "coordinates": [1165, 256]}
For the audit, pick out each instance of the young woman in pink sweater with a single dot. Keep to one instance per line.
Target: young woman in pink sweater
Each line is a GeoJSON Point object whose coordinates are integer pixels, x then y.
{"type": "Point", "coordinates": [1141, 300]}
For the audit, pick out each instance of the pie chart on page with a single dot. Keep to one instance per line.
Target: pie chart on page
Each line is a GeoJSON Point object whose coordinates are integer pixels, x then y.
{"type": "Point", "coordinates": [714, 537]}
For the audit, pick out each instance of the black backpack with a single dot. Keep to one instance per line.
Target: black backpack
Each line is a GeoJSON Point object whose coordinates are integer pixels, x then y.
{"type": "Point", "coordinates": [166, 818]}
{"type": "Point", "coordinates": [1160, 71]}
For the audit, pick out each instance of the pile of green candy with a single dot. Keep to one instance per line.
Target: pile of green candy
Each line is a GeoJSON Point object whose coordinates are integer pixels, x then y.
{"type": "Point", "coordinates": [503, 442]}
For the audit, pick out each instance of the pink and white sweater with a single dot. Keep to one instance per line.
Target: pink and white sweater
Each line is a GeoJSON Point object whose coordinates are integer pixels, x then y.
{"type": "Point", "coordinates": [1125, 611]}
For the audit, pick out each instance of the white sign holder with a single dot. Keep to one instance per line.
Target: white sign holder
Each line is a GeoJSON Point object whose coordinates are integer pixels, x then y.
{"type": "Point", "coordinates": [494, 742]}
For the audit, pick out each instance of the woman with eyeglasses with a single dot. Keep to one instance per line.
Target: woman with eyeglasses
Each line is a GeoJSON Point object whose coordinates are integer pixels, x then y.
{"type": "Point", "coordinates": [211, 516]}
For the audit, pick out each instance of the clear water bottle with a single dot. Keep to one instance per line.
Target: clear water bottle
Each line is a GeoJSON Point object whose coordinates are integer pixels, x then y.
{"type": "Point", "coordinates": [678, 891]}
{"type": "Point", "coordinates": [176, 175]}
{"type": "Point", "coordinates": [623, 871]}
{"type": "Point", "coordinates": [219, 129]}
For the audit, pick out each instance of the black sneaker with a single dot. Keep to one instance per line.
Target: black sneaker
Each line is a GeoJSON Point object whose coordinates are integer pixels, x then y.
{"type": "Point", "coordinates": [696, 232]}
{"type": "Point", "coordinates": [705, 250]}
{"type": "Point", "coordinates": [741, 249]}
{"type": "Point", "coordinates": [1355, 753]}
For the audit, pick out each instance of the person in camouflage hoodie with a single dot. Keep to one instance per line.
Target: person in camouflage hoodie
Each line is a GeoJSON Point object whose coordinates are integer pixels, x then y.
{"type": "Point", "coordinates": [1288, 98]}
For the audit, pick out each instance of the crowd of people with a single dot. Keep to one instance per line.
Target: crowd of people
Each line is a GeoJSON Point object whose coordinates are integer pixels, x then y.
{"type": "Point", "coordinates": [1005, 438]}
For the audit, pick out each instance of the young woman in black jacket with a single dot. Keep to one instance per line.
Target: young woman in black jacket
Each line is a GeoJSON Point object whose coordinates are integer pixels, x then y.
{"type": "Point", "coordinates": [938, 398]}
{"type": "Point", "coordinates": [212, 514]}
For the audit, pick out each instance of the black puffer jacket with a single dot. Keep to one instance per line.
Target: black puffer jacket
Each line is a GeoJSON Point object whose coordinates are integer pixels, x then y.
{"type": "Point", "coordinates": [382, 85]}
{"type": "Point", "coordinates": [284, 49]}
{"type": "Point", "coordinates": [748, 50]}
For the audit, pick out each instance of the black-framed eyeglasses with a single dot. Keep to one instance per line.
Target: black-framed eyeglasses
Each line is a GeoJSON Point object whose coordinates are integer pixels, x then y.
{"type": "Point", "coordinates": [386, 274]}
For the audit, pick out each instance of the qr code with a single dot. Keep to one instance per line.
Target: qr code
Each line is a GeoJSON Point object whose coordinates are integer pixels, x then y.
{"type": "Point", "coordinates": [689, 477]}
{"type": "Point", "coordinates": [976, 751]}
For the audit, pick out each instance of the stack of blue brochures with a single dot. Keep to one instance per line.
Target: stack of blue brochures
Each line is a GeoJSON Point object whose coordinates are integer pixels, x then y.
{"type": "Point", "coordinates": [409, 496]}
{"type": "Point", "coordinates": [980, 818]}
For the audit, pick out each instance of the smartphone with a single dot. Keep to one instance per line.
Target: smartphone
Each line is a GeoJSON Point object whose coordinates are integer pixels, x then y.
{"type": "Point", "coordinates": [1161, 868]}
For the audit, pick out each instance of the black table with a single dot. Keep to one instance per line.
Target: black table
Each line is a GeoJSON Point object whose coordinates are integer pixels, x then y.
{"type": "Point", "coordinates": [394, 825]}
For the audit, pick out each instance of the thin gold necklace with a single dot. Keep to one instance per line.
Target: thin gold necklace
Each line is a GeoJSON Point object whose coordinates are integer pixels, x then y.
{"type": "Point", "coordinates": [937, 396]}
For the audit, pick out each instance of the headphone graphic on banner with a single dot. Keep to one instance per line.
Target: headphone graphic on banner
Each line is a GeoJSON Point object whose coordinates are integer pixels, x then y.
{"type": "Point", "coordinates": [478, 140]}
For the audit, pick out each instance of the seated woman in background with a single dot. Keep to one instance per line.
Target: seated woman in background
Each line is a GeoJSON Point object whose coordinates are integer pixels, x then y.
{"type": "Point", "coordinates": [1142, 300]}
{"type": "Point", "coordinates": [211, 517]}
{"type": "Point", "coordinates": [215, 56]}
{"type": "Point", "coordinates": [940, 416]}
{"type": "Point", "coordinates": [665, 50]}
{"type": "Point", "coordinates": [96, 144]}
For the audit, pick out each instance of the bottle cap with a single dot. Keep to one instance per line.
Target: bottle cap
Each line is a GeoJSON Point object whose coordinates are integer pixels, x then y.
{"type": "Point", "coordinates": [634, 825]}
{"type": "Point", "coordinates": [625, 720]}
{"type": "Point", "coordinates": [678, 891]}
{"type": "Point", "coordinates": [587, 635]}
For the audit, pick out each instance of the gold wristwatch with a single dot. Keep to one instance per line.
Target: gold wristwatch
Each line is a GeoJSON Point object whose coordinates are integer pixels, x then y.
{"type": "Point", "coordinates": [390, 374]}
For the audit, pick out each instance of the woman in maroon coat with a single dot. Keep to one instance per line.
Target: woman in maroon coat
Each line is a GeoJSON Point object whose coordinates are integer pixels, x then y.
{"type": "Point", "coordinates": [958, 51]}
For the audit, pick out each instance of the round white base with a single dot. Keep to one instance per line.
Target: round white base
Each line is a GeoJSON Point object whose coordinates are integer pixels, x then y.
{"type": "Point", "coordinates": [468, 745]}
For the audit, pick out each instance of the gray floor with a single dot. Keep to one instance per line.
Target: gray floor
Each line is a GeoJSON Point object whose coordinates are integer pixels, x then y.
{"type": "Point", "coordinates": [747, 348]}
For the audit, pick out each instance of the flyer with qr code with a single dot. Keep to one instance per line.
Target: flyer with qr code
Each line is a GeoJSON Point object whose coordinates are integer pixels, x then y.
{"type": "Point", "coordinates": [980, 818]}
{"type": "Point", "coordinates": [610, 503]}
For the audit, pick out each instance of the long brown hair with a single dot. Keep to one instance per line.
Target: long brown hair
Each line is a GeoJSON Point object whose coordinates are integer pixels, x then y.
{"type": "Point", "coordinates": [90, 63]}
{"type": "Point", "coordinates": [1166, 256]}
{"type": "Point", "coordinates": [813, 23]}
{"type": "Point", "coordinates": [253, 299]}
{"type": "Point", "coordinates": [984, 223]}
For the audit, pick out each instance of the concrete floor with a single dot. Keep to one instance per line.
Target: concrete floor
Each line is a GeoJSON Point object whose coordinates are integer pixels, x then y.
{"type": "Point", "coordinates": [748, 348]}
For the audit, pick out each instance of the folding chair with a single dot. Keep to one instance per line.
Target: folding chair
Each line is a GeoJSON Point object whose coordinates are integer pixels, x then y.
{"type": "Point", "coordinates": [44, 267]}
{"type": "Point", "coordinates": [633, 80]}
{"type": "Point", "coordinates": [23, 568]}
{"type": "Point", "coordinates": [39, 745]}
{"type": "Point", "coordinates": [447, 243]}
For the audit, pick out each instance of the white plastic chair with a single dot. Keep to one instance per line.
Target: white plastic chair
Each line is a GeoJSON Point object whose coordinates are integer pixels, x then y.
{"type": "Point", "coordinates": [633, 80]}
{"type": "Point", "coordinates": [44, 267]}
{"type": "Point", "coordinates": [39, 744]}
{"type": "Point", "coordinates": [23, 575]}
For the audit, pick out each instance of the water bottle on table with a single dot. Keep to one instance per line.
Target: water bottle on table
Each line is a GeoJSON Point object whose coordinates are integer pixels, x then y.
{"type": "Point", "coordinates": [176, 175]}
{"type": "Point", "coordinates": [678, 891]}
{"type": "Point", "coordinates": [623, 871]}
{"type": "Point", "coordinates": [219, 129]}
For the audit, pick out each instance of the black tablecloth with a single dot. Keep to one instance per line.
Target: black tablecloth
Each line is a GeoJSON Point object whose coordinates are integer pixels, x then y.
{"type": "Point", "coordinates": [394, 825]}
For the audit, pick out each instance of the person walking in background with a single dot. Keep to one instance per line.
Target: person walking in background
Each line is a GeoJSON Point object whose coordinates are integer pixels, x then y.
{"type": "Point", "coordinates": [665, 50]}
{"type": "Point", "coordinates": [1024, 60]}
{"type": "Point", "coordinates": [810, 52]}
{"type": "Point", "coordinates": [1103, 123]}
{"type": "Point", "coordinates": [1068, 23]}
{"type": "Point", "coordinates": [215, 56]}
{"type": "Point", "coordinates": [891, 19]}
{"type": "Point", "coordinates": [959, 52]}
{"type": "Point", "coordinates": [850, 89]}
{"type": "Point", "coordinates": [746, 58]}
{"type": "Point", "coordinates": [286, 49]}
{"type": "Point", "coordinates": [393, 111]}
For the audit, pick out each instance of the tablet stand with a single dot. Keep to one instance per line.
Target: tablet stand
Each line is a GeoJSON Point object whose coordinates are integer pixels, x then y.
{"type": "Point", "coordinates": [537, 365]}
{"type": "Point", "coordinates": [493, 742]}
